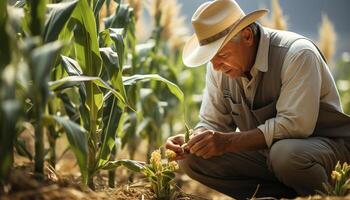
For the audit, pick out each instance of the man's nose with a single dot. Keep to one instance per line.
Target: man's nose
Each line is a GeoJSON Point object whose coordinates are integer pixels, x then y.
{"type": "Point", "coordinates": [215, 64]}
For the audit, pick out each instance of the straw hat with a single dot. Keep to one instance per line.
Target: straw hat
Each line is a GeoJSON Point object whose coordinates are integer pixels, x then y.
{"type": "Point", "coordinates": [215, 23]}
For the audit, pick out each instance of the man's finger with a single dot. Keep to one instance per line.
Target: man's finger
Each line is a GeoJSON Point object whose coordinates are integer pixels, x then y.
{"type": "Point", "coordinates": [174, 147]}
{"type": "Point", "coordinates": [196, 138]}
{"type": "Point", "coordinates": [203, 151]}
{"type": "Point", "coordinates": [199, 145]}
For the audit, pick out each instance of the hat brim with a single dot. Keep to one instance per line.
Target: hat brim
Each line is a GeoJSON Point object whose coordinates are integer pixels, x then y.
{"type": "Point", "coordinates": [194, 55]}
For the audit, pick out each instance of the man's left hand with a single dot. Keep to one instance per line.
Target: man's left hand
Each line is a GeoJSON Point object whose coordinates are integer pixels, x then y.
{"type": "Point", "coordinates": [209, 143]}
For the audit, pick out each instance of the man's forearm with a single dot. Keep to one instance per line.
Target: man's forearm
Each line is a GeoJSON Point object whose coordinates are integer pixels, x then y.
{"type": "Point", "coordinates": [247, 141]}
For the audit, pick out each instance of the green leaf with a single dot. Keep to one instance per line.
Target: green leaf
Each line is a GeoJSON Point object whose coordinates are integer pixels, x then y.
{"type": "Point", "coordinates": [132, 165]}
{"type": "Point", "coordinates": [97, 8]}
{"type": "Point", "coordinates": [58, 17]}
{"type": "Point", "coordinates": [71, 111]}
{"type": "Point", "coordinates": [110, 63]}
{"type": "Point", "coordinates": [71, 66]}
{"type": "Point", "coordinates": [112, 114]}
{"type": "Point", "coordinates": [83, 25]}
{"type": "Point", "coordinates": [77, 137]}
{"type": "Point", "coordinates": [169, 174]}
{"type": "Point", "coordinates": [9, 114]}
{"type": "Point", "coordinates": [148, 77]}
{"type": "Point", "coordinates": [75, 80]}
{"type": "Point", "coordinates": [121, 19]}
{"type": "Point", "coordinates": [117, 37]}
{"type": "Point", "coordinates": [187, 133]}
{"type": "Point", "coordinates": [22, 150]}
{"type": "Point", "coordinates": [5, 51]}
{"type": "Point", "coordinates": [35, 16]}
{"type": "Point", "coordinates": [42, 60]}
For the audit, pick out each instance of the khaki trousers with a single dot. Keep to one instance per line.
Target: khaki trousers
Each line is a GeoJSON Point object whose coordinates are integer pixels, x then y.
{"type": "Point", "coordinates": [292, 167]}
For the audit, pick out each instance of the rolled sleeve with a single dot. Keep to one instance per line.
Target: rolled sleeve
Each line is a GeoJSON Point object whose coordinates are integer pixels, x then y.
{"type": "Point", "coordinates": [298, 104]}
{"type": "Point", "coordinates": [214, 112]}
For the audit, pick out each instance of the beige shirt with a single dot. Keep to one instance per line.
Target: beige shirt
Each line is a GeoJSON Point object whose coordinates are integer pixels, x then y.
{"type": "Point", "coordinates": [306, 81]}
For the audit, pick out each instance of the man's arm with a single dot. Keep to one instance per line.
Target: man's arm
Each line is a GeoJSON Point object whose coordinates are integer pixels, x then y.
{"type": "Point", "coordinates": [298, 104]}
{"type": "Point", "coordinates": [210, 143]}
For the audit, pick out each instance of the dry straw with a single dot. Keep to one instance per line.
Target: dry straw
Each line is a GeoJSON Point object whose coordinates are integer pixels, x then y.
{"type": "Point", "coordinates": [327, 38]}
{"type": "Point", "coordinates": [277, 20]}
{"type": "Point", "coordinates": [137, 6]}
{"type": "Point", "coordinates": [140, 26]}
{"type": "Point", "coordinates": [172, 22]}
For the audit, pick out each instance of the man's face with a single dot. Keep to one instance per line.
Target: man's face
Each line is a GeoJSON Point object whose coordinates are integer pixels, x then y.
{"type": "Point", "coordinates": [230, 60]}
{"type": "Point", "coordinates": [236, 57]}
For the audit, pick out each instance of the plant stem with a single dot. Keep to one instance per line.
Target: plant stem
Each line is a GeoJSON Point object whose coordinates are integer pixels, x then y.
{"type": "Point", "coordinates": [39, 148]}
{"type": "Point", "coordinates": [111, 173]}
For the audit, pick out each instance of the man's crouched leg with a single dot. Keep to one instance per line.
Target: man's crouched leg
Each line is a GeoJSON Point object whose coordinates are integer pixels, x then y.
{"type": "Point", "coordinates": [236, 175]}
{"type": "Point", "coordinates": [304, 164]}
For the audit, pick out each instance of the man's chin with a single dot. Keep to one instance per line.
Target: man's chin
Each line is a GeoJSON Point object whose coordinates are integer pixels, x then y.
{"type": "Point", "coordinates": [233, 75]}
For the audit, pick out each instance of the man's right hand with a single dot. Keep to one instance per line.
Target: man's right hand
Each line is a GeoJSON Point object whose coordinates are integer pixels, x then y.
{"type": "Point", "coordinates": [175, 143]}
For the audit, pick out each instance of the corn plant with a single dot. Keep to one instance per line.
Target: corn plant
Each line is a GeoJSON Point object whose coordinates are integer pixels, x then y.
{"type": "Point", "coordinates": [160, 111]}
{"type": "Point", "coordinates": [34, 56]}
{"type": "Point", "coordinates": [160, 172]}
{"type": "Point", "coordinates": [94, 66]}
{"type": "Point", "coordinates": [9, 105]}
{"type": "Point", "coordinates": [340, 185]}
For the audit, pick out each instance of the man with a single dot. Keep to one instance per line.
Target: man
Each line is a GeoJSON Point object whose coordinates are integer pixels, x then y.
{"type": "Point", "coordinates": [276, 88]}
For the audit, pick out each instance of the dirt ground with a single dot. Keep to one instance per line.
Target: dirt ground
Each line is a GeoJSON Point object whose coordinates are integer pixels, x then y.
{"type": "Point", "coordinates": [63, 182]}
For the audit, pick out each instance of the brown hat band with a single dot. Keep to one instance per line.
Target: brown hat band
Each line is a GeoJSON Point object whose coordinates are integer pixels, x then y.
{"type": "Point", "coordinates": [218, 35]}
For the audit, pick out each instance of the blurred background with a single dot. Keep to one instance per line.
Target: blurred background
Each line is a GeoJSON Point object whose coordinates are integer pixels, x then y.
{"type": "Point", "coordinates": [147, 37]}
{"type": "Point", "coordinates": [324, 21]}
{"type": "Point", "coordinates": [303, 17]}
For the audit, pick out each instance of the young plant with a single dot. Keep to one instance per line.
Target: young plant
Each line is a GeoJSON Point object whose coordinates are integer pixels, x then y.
{"type": "Point", "coordinates": [340, 185]}
{"type": "Point", "coordinates": [161, 173]}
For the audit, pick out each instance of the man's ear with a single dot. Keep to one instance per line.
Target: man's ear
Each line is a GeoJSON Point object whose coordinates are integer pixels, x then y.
{"type": "Point", "coordinates": [247, 36]}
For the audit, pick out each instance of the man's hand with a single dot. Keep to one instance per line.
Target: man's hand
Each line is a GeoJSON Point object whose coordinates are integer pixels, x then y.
{"type": "Point", "coordinates": [175, 143]}
{"type": "Point", "coordinates": [208, 143]}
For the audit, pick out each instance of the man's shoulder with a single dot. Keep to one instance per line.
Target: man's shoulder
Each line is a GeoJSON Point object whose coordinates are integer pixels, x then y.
{"type": "Point", "coordinates": [286, 39]}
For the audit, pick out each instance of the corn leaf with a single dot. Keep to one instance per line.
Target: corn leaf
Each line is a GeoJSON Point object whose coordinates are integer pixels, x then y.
{"type": "Point", "coordinates": [133, 165]}
{"type": "Point", "coordinates": [149, 77]}
{"type": "Point", "coordinates": [70, 81]}
{"type": "Point", "coordinates": [9, 114]}
{"type": "Point", "coordinates": [58, 17]}
{"type": "Point", "coordinates": [187, 133]}
{"type": "Point", "coordinates": [5, 53]}
{"type": "Point", "coordinates": [77, 137]}
{"type": "Point", "coordinates": [97, 8]}
{"type": "Point", "coordinates": [168, 174]}
{"type": "Point", "coordinates": [20, 146]}
{"type": "Point", "coordinates": [113, 109]}
{"type": "Point", "coordinates": [35, 16]}
{"type": "Point", "coordinates": [112, 114]}
{"type": "Point", "coordinates": [71, 66]}
{"type": "Point", "coordinates": [121, 19]}
{"type": "Point", "coordinates": [113, 69]}
{"type": "Point", "coordinates": [73, 69]}
{"type": "Point", "coordinates": [86, 52]}
{"type": "Point", "coordinates": [42, 60]}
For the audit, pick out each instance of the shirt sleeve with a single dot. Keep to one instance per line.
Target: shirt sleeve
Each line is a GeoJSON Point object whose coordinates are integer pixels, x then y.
{"type": "Point", "coordinates": [298, 104]}
{"type": "Point", "coordinates": [214, 113]}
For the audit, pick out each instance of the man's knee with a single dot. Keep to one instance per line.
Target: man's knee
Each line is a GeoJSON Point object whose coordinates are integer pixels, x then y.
{"type": "Point", "coordinates": [295, 167]}
{"type": "Point", "coordinates": [286, 155]}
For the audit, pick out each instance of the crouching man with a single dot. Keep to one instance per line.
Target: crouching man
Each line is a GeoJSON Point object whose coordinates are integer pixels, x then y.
{"type": "Point", "coordinates": [276, 88]}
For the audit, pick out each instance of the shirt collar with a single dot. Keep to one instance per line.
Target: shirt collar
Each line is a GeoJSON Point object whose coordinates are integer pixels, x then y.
{"type": "Point", "coordinates": [261, 60]}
